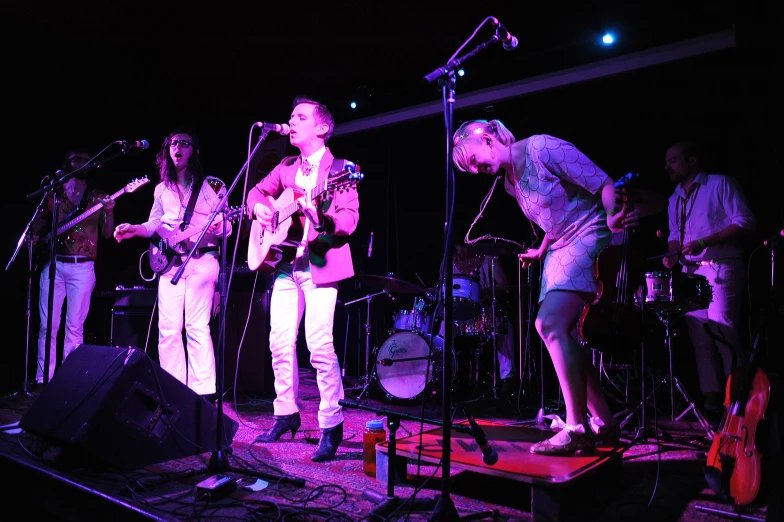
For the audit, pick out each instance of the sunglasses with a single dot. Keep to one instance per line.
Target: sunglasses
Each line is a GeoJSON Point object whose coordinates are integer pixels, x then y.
{"type": "Point", "coordinates": [181, 143]}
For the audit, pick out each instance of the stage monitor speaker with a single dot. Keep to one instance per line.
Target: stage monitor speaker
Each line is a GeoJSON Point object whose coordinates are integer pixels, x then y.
{"type": "Point", "coordinates": [118, 406]}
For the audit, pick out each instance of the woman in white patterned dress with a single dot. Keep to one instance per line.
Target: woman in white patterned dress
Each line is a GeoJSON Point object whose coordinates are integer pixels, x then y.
{"type": "Point", "coordinates": [573, 202]}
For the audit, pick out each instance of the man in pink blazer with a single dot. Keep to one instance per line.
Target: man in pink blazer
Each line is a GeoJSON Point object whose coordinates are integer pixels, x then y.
{"type": "Point", "coordinates": [315, 256]}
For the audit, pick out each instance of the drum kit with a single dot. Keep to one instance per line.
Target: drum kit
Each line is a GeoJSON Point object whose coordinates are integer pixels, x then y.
{"type": "Point", "coordinates": [410, 360]}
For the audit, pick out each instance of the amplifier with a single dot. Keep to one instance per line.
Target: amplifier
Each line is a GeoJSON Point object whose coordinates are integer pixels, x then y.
{"type": "Point", "coordinates": [135, 296]}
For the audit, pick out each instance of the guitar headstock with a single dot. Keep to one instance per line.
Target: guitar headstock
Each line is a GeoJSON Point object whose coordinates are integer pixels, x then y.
{"type": "Point", "coordinates": [348, 177]}
{"type": "Point", "coordinates": [628, 179]}
{"type": "Point", "coordinates": [135, 184]}
{"type": "Point", "coordinates": [233, 213]}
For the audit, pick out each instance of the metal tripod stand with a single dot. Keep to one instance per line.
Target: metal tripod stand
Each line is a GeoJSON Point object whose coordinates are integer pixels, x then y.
{"type": "Point", "coordinates": [666, 317]}
{"type": "Point", "coordinates": [365, 380]}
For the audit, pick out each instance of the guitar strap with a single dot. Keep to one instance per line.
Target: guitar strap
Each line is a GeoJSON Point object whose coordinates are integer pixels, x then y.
{"type": "Point", "coordinates": [186, 218]}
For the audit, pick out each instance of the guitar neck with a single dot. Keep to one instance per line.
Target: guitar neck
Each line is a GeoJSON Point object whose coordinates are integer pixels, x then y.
{"type": "Point", "coordinates": [185, 234]}
{"type": "Point", "coordinates": [87, 213]}
{"type": "Point", "coordinates": [290, 209]}
{"type": "Point", "coordinates": [192, 230]}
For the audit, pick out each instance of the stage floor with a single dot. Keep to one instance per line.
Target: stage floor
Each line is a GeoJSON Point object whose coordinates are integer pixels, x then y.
{"type": "Point", "coordinates": [657, 480]}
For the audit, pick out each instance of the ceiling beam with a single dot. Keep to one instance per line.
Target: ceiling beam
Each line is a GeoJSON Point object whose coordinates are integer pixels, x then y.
{"type": "Point", "coordinates": [610, 67]}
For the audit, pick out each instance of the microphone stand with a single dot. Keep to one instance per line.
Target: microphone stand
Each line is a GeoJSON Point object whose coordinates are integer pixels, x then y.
{"type": "Point", "coordinates": [219, 460]}
{"type": "Point", "coordinates": [386, 505]}
{"type": "Point", "coordinates": [26, 238]}
{"type": "Point", "coordinates": [446, 77]}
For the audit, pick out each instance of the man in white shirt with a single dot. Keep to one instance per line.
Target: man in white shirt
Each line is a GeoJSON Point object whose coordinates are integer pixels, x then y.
{"type": "Point", "coordinates": [708, 219]}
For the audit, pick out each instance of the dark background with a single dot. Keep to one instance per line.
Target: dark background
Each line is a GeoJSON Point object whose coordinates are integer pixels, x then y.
{"type": "Point", "coordinates": [88, 74]}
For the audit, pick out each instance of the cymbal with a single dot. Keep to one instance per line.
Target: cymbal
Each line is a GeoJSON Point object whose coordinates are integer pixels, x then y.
{"type": "Point", "coordinates": [492, 247]}
{"type": "Point", "coordinates": [649, 203]}
{"type": "Point", "coordinates": [390, 284]}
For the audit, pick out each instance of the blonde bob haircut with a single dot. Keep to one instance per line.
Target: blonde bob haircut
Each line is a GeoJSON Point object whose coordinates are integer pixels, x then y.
{"type": "Point", "coordinates": [470, 135]}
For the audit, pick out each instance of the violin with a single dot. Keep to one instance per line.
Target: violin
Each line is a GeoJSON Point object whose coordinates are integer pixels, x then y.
{"type": "Point", "coordinates": [612, 322]}
{"type": "Point", "coordinates": [734, 466]}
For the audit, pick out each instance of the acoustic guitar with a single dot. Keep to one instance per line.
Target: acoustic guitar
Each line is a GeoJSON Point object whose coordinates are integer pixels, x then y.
{"type": "Point", "coordinates": [263, 239]}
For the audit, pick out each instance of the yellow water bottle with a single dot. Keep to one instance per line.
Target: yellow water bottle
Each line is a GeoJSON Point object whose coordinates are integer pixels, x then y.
{"type": "Point", "coordinates": [374, 433]}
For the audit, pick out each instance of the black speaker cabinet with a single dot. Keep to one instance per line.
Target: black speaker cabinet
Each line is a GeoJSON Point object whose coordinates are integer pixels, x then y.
{"type": "Point", "coordinates": [254, 371]}
{"type": "Point", "coordinates": [129, 327]}
{"type": "Point", "coordinates": [118, 406]}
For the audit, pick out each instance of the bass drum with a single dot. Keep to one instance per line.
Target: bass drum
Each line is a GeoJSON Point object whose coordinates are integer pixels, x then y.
{"type": "Point", "coordinates": [402, 365]}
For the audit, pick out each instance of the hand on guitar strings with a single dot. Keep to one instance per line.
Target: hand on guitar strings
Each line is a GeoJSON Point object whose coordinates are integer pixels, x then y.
{"type": "Point", "coordinates": [263, 215]}
{"type": "Point", "coordinates": [623, 216]}
{"type": "Point", "coordinates": [312, 212]}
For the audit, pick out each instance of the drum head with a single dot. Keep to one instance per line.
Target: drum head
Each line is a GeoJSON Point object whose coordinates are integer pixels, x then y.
{"type": "Point", "coordinates": [406, 357]}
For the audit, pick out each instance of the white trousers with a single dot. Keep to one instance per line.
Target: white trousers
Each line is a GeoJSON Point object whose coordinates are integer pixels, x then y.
{"type": "Point", "coordinates": [75, 281]}
{"type": "Point", "coordinates": [188, 304]}
{"type": "Point", "coordinates": [714, 332]}
{"type": "Point", "coordinates": [292, 293]}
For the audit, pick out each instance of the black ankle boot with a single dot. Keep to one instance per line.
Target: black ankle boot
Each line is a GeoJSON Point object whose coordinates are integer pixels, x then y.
{"type": "Point", "coordinates": [328, 444]}
{"type": "Point", "coordinates": [282, 424]}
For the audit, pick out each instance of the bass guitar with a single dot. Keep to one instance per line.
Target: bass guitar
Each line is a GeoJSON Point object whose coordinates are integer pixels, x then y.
{"type": "Point", "coordinates": [68, 225]}
{"type": "Point", "coordinates": [285, 206]}
{"type": "Point", "coordinates": [734, 466]}
{"type": "Point", "coordinates": [612, 322]}
{"type": "Point", "coordinates": [166, 243]}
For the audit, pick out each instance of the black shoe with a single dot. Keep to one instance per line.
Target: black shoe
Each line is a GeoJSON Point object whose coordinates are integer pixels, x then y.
{"type": "Point", "coordinates": [282, 424]}
{"type": "Point", "coordinates": [328, 445]}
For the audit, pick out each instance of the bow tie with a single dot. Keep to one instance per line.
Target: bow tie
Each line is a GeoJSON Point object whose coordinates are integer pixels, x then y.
{"type": "Point", "coordinates": [307, 168]}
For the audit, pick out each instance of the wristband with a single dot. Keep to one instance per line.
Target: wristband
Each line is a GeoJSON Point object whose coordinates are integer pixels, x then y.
{"type": "Point", "coordinates": [702, 244]}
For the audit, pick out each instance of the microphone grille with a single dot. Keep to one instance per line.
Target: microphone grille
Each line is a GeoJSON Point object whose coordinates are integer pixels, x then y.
{"type": "Point", "coordinates": [285, 129]}
{"type": "Point", "coordinates": [144, 144]}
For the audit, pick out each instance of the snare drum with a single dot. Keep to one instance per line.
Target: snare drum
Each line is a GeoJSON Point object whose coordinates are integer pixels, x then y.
{"type": "Point", "coordinates": [402, 365]}
{"type": "Point", "coordinates": [465, 297]}
{"type": "Point", "coordinates": [668, 291]}
{"type": "Point", "coordinates": [417, 321]}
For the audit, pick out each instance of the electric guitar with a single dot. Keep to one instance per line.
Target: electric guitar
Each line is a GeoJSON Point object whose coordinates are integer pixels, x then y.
{"type": "Point", "coordinates": [166, 244]}
{"type": "Point", "coordinates": [68, 225]}
{"type": "Point", "coordinates": [285, 206]}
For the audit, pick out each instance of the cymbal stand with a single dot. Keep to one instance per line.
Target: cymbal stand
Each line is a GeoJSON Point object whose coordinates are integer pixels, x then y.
{"type": "Point", "coordinates": [365, 380]}
{"type": "Point", "coordinates": [494, 329]}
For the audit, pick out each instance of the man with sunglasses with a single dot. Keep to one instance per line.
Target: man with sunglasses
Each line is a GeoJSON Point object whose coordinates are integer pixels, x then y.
{"type": "Point", "coordinates": [76, 252]}
{"type": "Point", "coordinates": [315, 256]}
{"type": "Point", "coordinates": [188, 303]}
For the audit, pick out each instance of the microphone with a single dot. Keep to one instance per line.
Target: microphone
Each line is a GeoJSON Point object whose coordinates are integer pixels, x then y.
{"type": "Point", "coordinates": [509, 41]}
{"type": "Point", "coordinates": [370, 245]}
{"type": "Point", "coordinates": [281, 128]}
{"type": "Point", "coordinates": [143, 144]}
{"type": "Point", "coordinates": [489, 455]}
